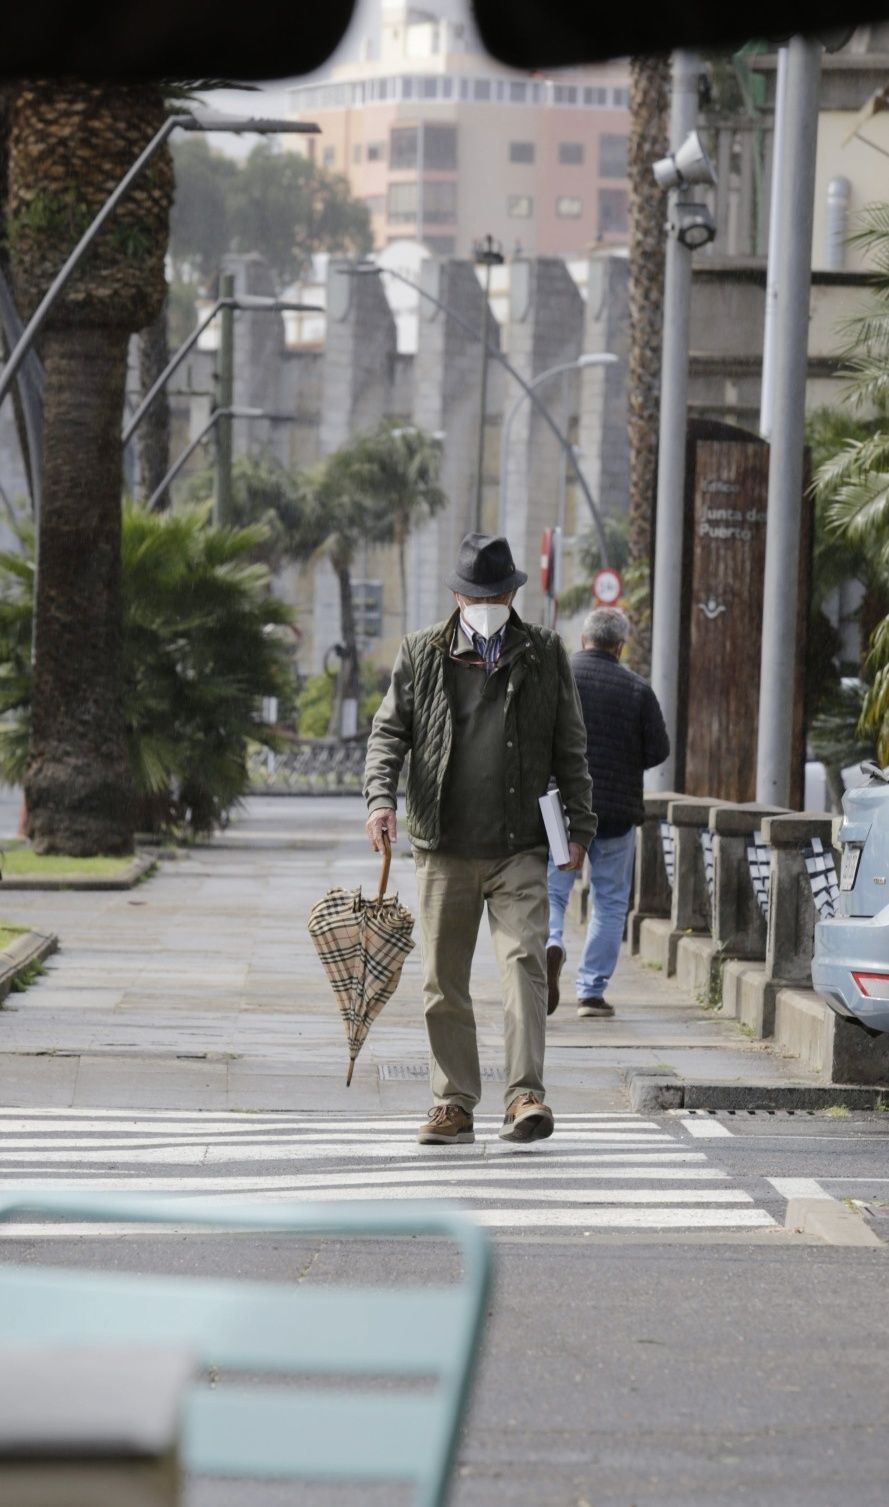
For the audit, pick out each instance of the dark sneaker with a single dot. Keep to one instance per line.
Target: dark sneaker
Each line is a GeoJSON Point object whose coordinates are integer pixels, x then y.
{"type": "Point", "coordinates": [447, 1125]}
{"type": "Point", "coordinates": [555, 957]}
{"type": "Point", "coordinates": [527, 1119]}
{"type": "Point", "coordinates": [594, 1006]}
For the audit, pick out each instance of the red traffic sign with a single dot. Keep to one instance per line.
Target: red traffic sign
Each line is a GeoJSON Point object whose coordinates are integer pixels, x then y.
{"type": "Point", "coordinates": [607, 586]}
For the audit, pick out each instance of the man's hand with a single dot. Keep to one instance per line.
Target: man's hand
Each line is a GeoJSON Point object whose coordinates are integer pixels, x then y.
{"type": "Point", "coordinates": [575, 863]}
{"type": "Point", "coordinates": [380, 821]}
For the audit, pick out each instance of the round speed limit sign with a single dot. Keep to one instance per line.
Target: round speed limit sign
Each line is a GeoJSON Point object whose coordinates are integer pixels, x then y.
{"type": "Point", "coordinates": [607, 586]}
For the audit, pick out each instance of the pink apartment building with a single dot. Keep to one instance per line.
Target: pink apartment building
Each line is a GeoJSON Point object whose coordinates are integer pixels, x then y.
{"type": "Point", "coordinates": [444, 145]}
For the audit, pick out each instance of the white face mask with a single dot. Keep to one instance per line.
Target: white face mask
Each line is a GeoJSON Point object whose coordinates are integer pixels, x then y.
{"type": "Point", "coordinates": [485, 618]}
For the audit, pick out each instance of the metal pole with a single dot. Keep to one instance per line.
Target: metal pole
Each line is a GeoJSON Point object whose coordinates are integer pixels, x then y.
{"type": "Point", "coordinates": [483, 400]}
{"type": "Point", "coordinates": [495, 352]}
{"type": "Point", "coordinates": [175, 360]}
{"type": "Point", "coordinates": [667, 604]}
{"type": "Point", "coordinates": [776, 199]}
{"type": "Point", "coordinates": [30, 383]}
{"type": "Point", "coordinates": [794, 271]}
{"type": "Point", "coordinates": [35, 323]}
{"type": "Point", "coordinates": [223, 508]}
{"type": "Point", "coordinates": [189, 450]}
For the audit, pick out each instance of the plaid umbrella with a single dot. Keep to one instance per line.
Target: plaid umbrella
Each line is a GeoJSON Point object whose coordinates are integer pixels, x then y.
{"type": "Point", "coordinates": [362, 945]}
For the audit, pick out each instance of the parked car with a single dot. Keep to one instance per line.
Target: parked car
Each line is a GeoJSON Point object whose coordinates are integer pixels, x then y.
{"type": "Point", "coordinates": [851, 963]}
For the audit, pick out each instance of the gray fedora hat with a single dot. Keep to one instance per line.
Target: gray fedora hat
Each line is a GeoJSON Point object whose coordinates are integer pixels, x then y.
{"type": "Point", "coordinates": [485, 567]}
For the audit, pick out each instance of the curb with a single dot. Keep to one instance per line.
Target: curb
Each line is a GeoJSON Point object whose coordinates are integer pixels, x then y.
{"type": "Point", "coordinates": [831, 1221]}
{"type": "Point", "coordinates": [125, 880]}
{"type": "Point", "coordinates": [650, 1093]}
{"type": "Point", "coordinates": [22, 954]}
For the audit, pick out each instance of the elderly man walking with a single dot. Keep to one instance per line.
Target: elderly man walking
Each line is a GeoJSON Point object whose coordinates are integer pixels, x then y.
{"type": "Point", "coordinates": [625, 736]}
{"type": "Point", "coordinates": [487, 708]}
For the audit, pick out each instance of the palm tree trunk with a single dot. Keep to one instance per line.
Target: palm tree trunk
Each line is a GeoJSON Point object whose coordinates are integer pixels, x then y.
{"type": "Point", "coordinates": [348, 682]}
{"type": "Point", "coordinates": [649, 140]}
{"type": "Point", "coordinates": [153, 434]}
{"type": "Point", "coordinates": [78, 785]}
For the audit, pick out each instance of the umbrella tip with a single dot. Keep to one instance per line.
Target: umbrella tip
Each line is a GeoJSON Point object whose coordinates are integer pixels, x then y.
{"type": "Point", "coordinates": [349, 1073]}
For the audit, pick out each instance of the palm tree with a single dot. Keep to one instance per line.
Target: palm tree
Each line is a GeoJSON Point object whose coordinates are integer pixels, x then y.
{"type": "Point", "coordinates": [649, 140]}
{"type": "Point", "coordinates": [399, 467]}
{"type": "Point", "coordinates": [70, 143]}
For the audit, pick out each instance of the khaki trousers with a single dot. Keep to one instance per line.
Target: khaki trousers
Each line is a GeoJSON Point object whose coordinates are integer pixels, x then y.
{"type": "Point", "coordinates": [452, 894]}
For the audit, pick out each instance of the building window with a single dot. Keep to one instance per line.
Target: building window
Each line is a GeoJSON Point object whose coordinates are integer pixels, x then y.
{"type": "Point", "coordinates": [403, 147]}
{"type": "Point", "coordinates": [521, 151]}
{"type": "Point", "coordinates": [357, 94]}
{"type": "Point", "coordinates": [595, 95]}
{"type": "Point", "coordinates": [439, 203]}
{"type": "Point", "coordinates": [427, 87]}
{"type": "Point", "coordinates": [402, 205]}
{"type": "Point", "coordinates": [376, 204]}
{"type": "Point", "coordinates": [568, 207]}
{"type": "Point", "coordinates": [518, 93]}
{"type": "Point", "coordinates": [329, 156]}
{"type": "Point", "coordinates": [571, 153]}
{"type": "Point", "coordinates": [464, 88]}
{"type": "Point", "coordinates": [612, 156]}
{"type": "Point", "coordinates": [376, 151]}
{"type": "Point", "coordinates": [520, 206]}
{"type": "Point", "coordinates": [621, 98]}
{"type": "Point", "coordinates": [481, 89]}
{"type": "Point", "coordinates": [565, 94]}
{"type": "Point", "coordinates": [440, 147]}
{"type": "Point", "coordinates": [500, 89]}
{"type": "Point", "coordinates": [407, 88]}
{"type": "Point", "coordinates": [447, 88]}
{"type": "Point", "coordinates": [357, 152]}
{"type": "Point", "coordinates": [612, 211]}
{"type": "Point", "coordinates": [441, 245]}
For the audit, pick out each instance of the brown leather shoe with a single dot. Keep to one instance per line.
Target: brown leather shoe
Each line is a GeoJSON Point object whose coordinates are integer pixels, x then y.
{"type": "Point", "coordinates": [527, 1119]}
{"type": "Point", "coordinates": [447, 1125]}
{"type": "Point", "coordinates": [555, 958]}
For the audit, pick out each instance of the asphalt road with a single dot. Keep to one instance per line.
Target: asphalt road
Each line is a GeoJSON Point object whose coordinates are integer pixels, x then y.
{"type": "Point", "coordinates": [656, 1336]}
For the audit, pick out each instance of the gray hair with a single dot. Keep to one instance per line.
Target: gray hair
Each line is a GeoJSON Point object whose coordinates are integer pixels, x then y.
{"type": "Point", "coordinates": [605, 628]}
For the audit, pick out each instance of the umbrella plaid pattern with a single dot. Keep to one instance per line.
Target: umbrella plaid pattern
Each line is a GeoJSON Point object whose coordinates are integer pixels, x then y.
{"type": "Point", "coordinates": [362, 945]}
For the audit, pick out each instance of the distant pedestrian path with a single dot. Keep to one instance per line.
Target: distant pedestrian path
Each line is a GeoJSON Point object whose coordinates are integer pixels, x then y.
{"type": "Point", "coordinates": [600, 1173]}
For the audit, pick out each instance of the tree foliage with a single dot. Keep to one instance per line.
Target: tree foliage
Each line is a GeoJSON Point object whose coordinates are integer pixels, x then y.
{"type": "Point", "coordinates": [204, 641]}
{"type": "Point", "coordinates": [277, 203]}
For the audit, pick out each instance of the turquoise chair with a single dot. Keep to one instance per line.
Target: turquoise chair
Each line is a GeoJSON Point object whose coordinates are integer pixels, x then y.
{"type": "Point", "coordinates": [348, 1433]}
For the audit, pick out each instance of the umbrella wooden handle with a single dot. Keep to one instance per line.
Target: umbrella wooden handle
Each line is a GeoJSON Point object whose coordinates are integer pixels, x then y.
{"type": "Point", "coordinates": [387, 864]}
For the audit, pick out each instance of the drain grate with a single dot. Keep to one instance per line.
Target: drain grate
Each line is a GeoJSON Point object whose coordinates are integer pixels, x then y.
{"type": "Point", "coordinates": [779, 1114]}
{"type": "Point", "coordinates": [396, 1071]}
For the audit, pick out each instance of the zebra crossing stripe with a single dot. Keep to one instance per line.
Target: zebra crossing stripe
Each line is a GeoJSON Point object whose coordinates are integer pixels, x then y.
{"type": "Point", "coordinates": [600, 1172]}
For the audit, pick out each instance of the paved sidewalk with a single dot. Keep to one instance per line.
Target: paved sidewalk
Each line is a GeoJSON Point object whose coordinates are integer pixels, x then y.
{"type": "Point", "coordinates": [201, 990]}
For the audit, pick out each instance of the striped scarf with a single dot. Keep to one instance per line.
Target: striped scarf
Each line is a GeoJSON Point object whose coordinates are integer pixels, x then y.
{"type": "Point", "coordinates": [487, 649]}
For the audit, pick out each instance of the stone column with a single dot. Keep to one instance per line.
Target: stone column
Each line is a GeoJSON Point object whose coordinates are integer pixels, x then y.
{"type": "Point", "coordinates": [359, 356]}
{"type": "Point", "coordinates": [546, 330]}
{"type": "Point", "coordinates": [447, 381]}
{"type": "Point", "coordinates": [651, 886]}
{"type": "Point", "coordinates": [791, 932]}
{"type": "Point", "coordinates": [739, 926]}
{"type": "Point", "coordinates": [603, 390]}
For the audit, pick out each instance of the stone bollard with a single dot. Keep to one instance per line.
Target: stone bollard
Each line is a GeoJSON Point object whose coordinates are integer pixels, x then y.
{"type": "Point", "coordinates": [690, 909]}
{"type": "Point", "coordinates": [651, 887]}
{"type": "Point", "coordinates": [739, 925]}
{"type": "Point", "coordinates": [792, 915]}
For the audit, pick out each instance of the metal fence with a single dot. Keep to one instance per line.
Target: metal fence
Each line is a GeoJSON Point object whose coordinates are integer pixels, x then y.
{"type": "Point", "coordinates": [310, 766]}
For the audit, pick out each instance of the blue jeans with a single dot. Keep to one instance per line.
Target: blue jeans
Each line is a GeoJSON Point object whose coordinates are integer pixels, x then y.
{"type": "Point", "coordinates": [611, 875]}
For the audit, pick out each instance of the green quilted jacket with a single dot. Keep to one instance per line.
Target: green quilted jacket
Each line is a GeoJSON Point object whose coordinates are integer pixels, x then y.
{"type": "Point", "coordinates": [543, 730]}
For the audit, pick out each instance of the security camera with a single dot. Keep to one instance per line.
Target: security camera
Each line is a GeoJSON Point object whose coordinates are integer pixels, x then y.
{"type": "Point", "coordinates": [693, 226]}
{"type": "Point", "coordinates": [690, 164]}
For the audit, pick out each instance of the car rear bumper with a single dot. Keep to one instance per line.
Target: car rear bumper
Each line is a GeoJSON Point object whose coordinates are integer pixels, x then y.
{"type": "Point", "coordinates": [846, 945]}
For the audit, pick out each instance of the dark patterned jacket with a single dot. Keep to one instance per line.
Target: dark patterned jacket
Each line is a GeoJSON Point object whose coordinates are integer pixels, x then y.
{"type": "Point", "coordinates": [543, 736]}
{"type": "Point", "coordinates": [625, 736]}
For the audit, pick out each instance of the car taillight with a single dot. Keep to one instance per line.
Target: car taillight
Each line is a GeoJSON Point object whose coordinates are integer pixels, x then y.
{"type": "Point", "coordinates": [873, 985]}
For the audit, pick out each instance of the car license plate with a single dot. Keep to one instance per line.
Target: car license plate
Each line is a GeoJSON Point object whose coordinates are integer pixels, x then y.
{"type": "Point", "coordinates": [849, 866]}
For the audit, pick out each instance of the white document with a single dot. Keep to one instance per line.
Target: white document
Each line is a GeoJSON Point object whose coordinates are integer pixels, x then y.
{"type": "Point", "coordinates": [554, 822]}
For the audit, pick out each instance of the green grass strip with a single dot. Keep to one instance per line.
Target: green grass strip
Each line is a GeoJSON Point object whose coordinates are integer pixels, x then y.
{"type": "Point", "coordinates": [21, 862]}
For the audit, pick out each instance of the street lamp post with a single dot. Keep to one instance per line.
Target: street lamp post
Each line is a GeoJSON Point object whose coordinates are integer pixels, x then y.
{"type": "Point", "coordinates": [226, 397]}
{"type": "Point", "coordinates": [488, 253]}
{"type": "Point", "coordinates": [242, 302]}
{"type": "Point", "coordinates": [592, 358]}
{"type": "Point", "coordinates": [368, 269]}
{"type": "Point", "coordinates": [217, 414]}
{"type": "Point", "coordinates": [184, 122]}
